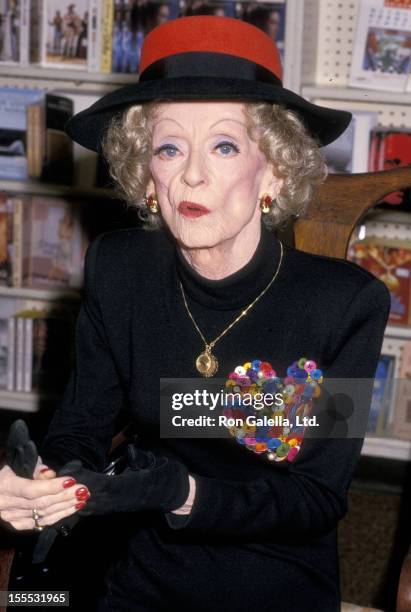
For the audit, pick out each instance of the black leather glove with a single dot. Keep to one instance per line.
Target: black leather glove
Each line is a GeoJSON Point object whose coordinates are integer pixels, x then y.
{"type": "Point", "coordinates": [147, 483]}
{"type": "Point", "coordinates": [21, 451]}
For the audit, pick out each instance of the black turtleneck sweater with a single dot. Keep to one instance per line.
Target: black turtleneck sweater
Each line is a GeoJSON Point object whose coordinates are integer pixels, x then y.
{"type": "Point", "coordinates": [260, 533]}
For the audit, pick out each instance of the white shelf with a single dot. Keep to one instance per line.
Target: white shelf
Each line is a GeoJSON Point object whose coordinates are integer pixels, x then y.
{"type": "Point", "coordinates": [396, 331]}
{"type": "Point", "coordinates": [35, 71]}
{"type": "Point", "coordinates": [51, 189]}
{"type": "Point", "coordinates": [23, 401]}
{"type": "Point", "coordinates": [357, 95]}
{"type": "Point", "coordinates": [389, 448]}
{"type": "Point", "coordinates": [56, 78]}
{"type": "Point", "coordinates": [27, 293]}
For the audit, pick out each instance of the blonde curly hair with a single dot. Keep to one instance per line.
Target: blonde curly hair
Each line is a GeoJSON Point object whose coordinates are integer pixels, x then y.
{"type": "Point", "coordinates": [282, 137]}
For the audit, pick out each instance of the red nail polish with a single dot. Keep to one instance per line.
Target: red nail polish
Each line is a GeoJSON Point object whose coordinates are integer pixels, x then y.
{"type": "Point", "coordinates": [81, 495]}
{"type": "Point", "coordinates": [80, 505]}
{"type": "Point", "coordinates": [69, 482]}
{"type": "Point", "coordinates": [81, 491]}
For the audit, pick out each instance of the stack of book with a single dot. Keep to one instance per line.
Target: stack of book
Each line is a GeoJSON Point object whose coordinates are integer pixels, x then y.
{"type": "Point", "coordinates": [33, 143]}
{"type": "Point", "coordinates": [42, 244]}
{"type": "Point", "coordinates": [36, 347]}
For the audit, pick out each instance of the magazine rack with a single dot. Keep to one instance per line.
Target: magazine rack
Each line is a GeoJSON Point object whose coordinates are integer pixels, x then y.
{"type": "Point", "coordinates": [324, 229]}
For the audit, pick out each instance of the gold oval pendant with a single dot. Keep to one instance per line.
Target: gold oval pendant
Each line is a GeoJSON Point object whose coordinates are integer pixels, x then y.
{"type": "Point", "coordinates": [207, 364]}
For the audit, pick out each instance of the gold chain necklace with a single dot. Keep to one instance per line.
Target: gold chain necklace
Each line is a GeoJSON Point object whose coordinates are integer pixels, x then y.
{"type": "Point", "coordinates": [206, 362]}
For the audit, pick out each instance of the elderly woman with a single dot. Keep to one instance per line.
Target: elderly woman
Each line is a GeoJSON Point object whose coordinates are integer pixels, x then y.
{"type": "Point", "coordinates": [215, 153]}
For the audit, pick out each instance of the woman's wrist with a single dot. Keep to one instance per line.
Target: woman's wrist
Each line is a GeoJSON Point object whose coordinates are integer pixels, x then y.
{"type": "Point", "coordinates": [186, 507]}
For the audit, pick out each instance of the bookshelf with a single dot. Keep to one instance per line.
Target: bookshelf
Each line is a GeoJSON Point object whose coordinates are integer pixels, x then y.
{"type": "Point", "coordinates": [327, 50]}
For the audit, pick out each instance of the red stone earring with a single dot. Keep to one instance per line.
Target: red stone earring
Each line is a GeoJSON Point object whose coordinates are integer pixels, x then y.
{"type": "Point", "coordinates": [266, 203]}
{"type": "Point", "coordinates": [152, 203]}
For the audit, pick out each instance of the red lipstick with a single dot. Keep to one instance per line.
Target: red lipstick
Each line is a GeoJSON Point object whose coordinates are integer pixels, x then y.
{"type": "Point", "coordinates": [192, 209]}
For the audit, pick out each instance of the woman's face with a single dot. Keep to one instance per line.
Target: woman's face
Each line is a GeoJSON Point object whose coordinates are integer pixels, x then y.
{"type": "Point", "coordinates": [203, 155]}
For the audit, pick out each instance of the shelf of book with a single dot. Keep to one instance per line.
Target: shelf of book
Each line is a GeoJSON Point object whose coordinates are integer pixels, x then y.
{"type": "Point", "coordinates": [23, 401]}
{"type": "Point", "coordinates": [27, 293]}
{"type": "Point", "coordinates": [39, 188]}
{"type": "Point", "coordinates": [355, 95]}
{"type": "Point", "coordinates": [388, 448]}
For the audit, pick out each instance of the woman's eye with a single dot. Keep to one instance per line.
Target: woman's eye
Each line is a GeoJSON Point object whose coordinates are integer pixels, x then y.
{"type": "Point", "coordinates": [227, 147]}
{"type": "Point", "coordinates": [165, 148]}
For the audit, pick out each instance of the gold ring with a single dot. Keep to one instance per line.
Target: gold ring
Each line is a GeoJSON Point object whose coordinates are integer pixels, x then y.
{"type": "Point", "coordinates": [36, 517]}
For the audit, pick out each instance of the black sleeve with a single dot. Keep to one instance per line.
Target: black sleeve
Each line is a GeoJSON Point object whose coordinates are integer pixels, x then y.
{"type": "Point", "coordinates": [310, 495]}
{"type": "Point", "coordinates": [82, 426]}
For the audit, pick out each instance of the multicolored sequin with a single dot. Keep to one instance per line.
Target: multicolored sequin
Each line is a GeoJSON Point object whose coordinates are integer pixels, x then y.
{"type": "Point", "coordinates": [298, 390]}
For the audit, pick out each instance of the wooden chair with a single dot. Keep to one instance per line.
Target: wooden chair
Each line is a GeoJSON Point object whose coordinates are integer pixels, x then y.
{"type": "Point", "coordinates": [324, 229]}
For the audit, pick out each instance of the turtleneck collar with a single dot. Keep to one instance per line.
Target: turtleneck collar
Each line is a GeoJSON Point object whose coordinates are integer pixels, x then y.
{"type": "Point", "coordinates": [238, 289]}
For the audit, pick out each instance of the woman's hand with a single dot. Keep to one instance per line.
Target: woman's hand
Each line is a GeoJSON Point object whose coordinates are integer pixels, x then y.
{"type": "Point", "coordinates": [42, 471]}
{"type": "Point", "coordinates": [27, 484]}
{"type": "Point", "coordinates": [54, 498]}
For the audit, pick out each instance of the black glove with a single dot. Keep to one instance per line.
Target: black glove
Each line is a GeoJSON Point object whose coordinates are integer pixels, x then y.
{"type": "Point", "coordinates": [147, 483]}
{"type": "Point", "coordinates": [21, 452]}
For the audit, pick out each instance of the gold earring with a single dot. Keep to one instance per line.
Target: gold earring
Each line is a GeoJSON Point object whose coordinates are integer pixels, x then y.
{"type": "Point", "coordinates": [266, 203]}
{"type": "Point", "coordinates": [152, 203]}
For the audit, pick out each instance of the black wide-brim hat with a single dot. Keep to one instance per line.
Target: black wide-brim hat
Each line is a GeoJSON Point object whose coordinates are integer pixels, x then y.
{"type": "Point", "coordinates": [206, 57]}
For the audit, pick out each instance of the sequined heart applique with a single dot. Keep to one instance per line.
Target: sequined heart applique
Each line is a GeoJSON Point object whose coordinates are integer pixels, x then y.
{"type": "Point", "coordinates": [267, 414]}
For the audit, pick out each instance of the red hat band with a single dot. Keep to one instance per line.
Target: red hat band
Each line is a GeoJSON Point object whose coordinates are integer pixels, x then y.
{"type": "Point", "coordinates": [205, 47]}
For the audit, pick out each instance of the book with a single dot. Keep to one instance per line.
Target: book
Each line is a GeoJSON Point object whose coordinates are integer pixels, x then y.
{"type": "Point", "coordinates": [48, 346]}
{"type": "Point", "coordinates": [8, 308]}
{"type": "Point", "coordinates": [128, 34]}
{"type": "Point", "coordinates": [49, 148]}
{"type": "Point", "coordinates": [382, 45]}
{"type": "Point", "coordinates": [25, 32]}
{"type": "Point", "coordinates": [4, 350]}
{"type": "Point", "coordinates": [13, 40]}
{"type": "Point", "coordinates": [5, 236]}
{"type": "Point", "coordinates": [95, 28]}
{"type": "Point", "coordinates": [11, 355]}
{"type": "Point", "coordinates": [64, 35]}
{"type": "Point", "coordinates": [13, 127]}
{"type": "Point", "coordinates": [106, 36]}
{"type": "Point", "coordinates": [350, 152]}
{"type": "Point", "coordinates": [390, 261]}
{"type": "Point", "coordinates": [395, 152]}
{"type": "Point", "coordinates": [401, 425]}
{"type": "Point", "coordinates": [382, 395]}
{"type": "Point", "coordinates": [19, 205]}
{"type": "Point", "coordinates": [35, 24]}
{"type": "Point", "coordinates": [52, 243]}
{"type": "Point", "coordinates": [19, 354]}
{"type": "Point", "coordinates": [268, 16]}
